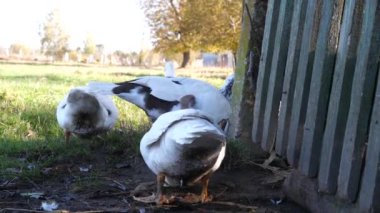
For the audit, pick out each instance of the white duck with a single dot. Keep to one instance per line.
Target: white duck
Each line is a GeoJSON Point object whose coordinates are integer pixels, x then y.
{"type": "Point", "coordinates": [157, 95]}
{"type": "Point", "coordinates": [183, 147]}
{"type": "Point", "coordinates": [85, 113]}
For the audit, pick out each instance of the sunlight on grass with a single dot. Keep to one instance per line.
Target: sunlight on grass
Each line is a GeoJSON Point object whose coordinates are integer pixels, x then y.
{"type": "Point", "coordinates": [29, 95]}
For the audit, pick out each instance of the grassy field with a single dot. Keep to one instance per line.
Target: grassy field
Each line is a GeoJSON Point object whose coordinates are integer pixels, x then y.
{"type": "Point", "coordinates": [30, 138]}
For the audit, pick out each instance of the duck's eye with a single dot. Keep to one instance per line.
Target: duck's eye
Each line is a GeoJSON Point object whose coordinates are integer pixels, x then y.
{"type": "Point", "coordinates": [63, 106]}
{"type": "Point", "coordinates": [109, 112]}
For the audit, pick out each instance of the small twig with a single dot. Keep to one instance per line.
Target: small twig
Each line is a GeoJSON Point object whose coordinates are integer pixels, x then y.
{"type": "Point", "coordinates": [110, 195]}
{"type": "Point", "coordinates": [6, 183]}
{"type": "Point", "coordinates": [120, 185]}
{"type": "Point", "coordinates": [226, 203]}
{"type": "Point", "coordinates": [94, 211]}
{"type": "Point", "coordinates": [15, 202]}
{"type": "Point", "coordinates": [270, 168]}
{"type": "Point", "coordinates": [33, 183]}
{"type": "Point", "coordinates": [271, 158]}
{"type": "Point", "coordinates": [222, 192]}
{"type": "Point", "coordinates": [19, 210]}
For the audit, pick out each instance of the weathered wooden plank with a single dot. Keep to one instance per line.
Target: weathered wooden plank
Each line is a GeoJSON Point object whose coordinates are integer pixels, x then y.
{"type": "Point", "coordinates": [299, 13]}
{"type": "Point", "coordinates": [280, 51]}
{"type": "Point", "coordinates": [320, 86]}
{"type": "Point", "coordinates": [361, 102]}
{"type": "Point", "coordinates": [340, 96]}
{"type": "Point", "coordinates": [264, 68]}
{"type": "Point", "coordinates": [370, 187]}
{"type": "Point", "coordinates": [302, 86]}
{"type": "Point", "coordinates": [304, 191]}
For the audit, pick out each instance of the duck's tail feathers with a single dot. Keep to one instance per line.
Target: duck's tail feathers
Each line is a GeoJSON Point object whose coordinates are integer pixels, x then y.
{"type": "Point", "coordinates": [103, 88]}
{"type": "Point", "coordinates": [226, 89]}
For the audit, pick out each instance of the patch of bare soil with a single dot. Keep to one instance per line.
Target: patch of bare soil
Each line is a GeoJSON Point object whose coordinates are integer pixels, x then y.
{"type": "Point", "coordinates": [105, 186]}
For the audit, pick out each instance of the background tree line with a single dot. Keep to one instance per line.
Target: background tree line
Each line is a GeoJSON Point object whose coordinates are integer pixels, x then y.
{"type": "Point", "coordinates": [177, 26]}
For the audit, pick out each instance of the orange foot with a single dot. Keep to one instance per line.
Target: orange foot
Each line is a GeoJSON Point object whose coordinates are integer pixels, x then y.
{"type": "Point", "coordinates": [192, 198]}
{"type": "Point", "coordinates": [162, 200]}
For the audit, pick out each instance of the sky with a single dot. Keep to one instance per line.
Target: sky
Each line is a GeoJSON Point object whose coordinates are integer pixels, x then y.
{"type": "Point", "coordinates": [117, 24]}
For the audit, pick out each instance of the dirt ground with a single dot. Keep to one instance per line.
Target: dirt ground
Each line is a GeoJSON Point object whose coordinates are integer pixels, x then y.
{"type": "Point", "coordinates": [101, 186]}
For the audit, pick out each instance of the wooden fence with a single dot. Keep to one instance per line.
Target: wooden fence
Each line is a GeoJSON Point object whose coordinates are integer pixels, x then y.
{"type": "Point", "coordinates": [318, 98]}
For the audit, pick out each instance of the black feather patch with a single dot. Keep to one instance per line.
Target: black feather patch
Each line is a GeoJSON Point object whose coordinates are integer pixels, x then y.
{"type": "Point", "coordinates": [151, 102]}
{"type": "Point", "coordinates": [126, 87]}
{"type": "Point", "coordinates": [177, 82]}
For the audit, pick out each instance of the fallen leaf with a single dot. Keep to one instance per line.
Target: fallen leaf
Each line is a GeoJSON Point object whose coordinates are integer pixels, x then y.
{"type": "Point", "coordinates": [147, 199]}
{"type": "Point", "coordinates": [31, 166]}
{"type": "Point", "coordinates": [85, 168]}
{"type": "Point", "coordinates": [276, 201]}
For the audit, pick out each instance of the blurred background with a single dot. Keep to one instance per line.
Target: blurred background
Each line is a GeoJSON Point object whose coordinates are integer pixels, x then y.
{"type": "Point", "coordinates": [124, 33]}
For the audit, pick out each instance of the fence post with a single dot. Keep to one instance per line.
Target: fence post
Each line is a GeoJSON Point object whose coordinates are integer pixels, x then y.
{"type": "Point", "coordinates": [264, 68]}
{"type": "Point", "coordinates": [276, 74]}
{"type": "Point", "coordinates": [323, 68]}
{"type": "Point", "coordinates": [293, 55]}
{"type": "Point", "coordinates": [340, 96]}
{"type": "Point", "coordinates": [361, 102]}
{"type": "Point", "coordinates": [302, 86]}
{"type": "Point", "coordinates": [370, 187]}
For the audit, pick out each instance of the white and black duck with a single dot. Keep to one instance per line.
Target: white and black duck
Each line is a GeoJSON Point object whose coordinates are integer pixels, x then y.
{"type": "Point", "coordinates": [85, 113]}
{"type": "Point", "coordinates": [157, 95]}
{"type": "Point", "coordinates": [183, 147]}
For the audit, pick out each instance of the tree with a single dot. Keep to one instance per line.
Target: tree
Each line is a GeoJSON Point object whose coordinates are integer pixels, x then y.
{"type": "Point", "coordinates": [215, 24]}
{"type": "Point", "coordinates": [201, 25]}
{"type": "Point", "coordinates": [54, 41]}
{"type": "Point", "coordinates": [246, 73]}
{"type": "Point", "coordinates": [19, 49]}
{"type": "Point", "coordinates": [165, 18]}
{"type": "Point", "coordinates": [89, 46]}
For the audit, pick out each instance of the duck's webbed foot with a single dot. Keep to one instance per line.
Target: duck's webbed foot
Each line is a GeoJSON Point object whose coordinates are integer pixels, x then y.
{"type": "Point", "coordinates": [205, 197]}
{"type": "Point", "coordinates": [160, 197]}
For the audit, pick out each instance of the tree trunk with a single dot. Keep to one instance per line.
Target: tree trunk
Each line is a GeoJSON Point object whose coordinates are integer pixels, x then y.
{"type": "Point", "coordinates": [243, 91]}
{"type": "Point", "coordinates": [185, 59]}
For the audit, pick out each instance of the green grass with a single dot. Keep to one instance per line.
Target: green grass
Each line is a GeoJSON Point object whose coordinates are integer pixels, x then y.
{"type": "Point", "coordinates": [29, 132]}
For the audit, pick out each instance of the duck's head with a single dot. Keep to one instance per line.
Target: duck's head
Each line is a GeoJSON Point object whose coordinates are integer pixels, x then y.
{"type": "Point", "coordinates": [187, 101]}
{"type": "Point", "coordinates": [85, 112]}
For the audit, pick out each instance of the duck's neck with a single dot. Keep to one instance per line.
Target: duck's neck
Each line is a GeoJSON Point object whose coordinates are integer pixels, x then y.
{"type": "Point", "coordinates": [136, 96]}
{"type": "Point", "coordinates": [141, 97]}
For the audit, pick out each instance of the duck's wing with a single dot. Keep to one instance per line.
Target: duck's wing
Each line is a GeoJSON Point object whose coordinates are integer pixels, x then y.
{"type": "Point", "coordinates": [175, 87]}
{"type": "Point", "coordinates": [168, 89]}
{"type": "Point", "coordinates": [166, 120]}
